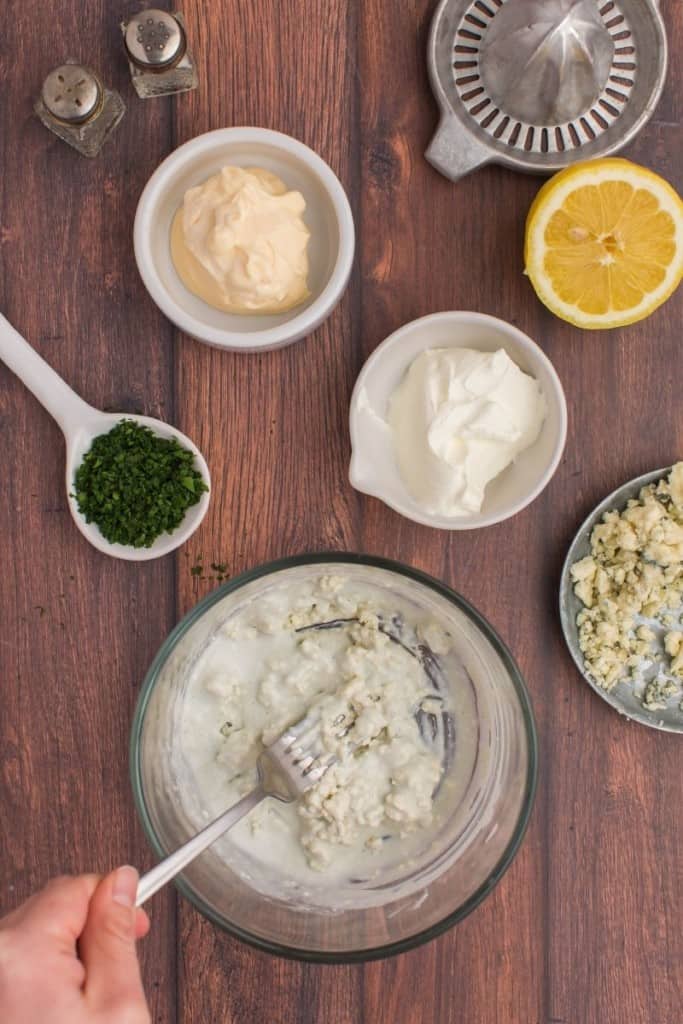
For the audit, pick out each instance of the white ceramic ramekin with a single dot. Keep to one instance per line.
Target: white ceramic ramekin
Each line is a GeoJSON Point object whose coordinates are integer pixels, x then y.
{"type": "Point", "coordinates": [328, 216]}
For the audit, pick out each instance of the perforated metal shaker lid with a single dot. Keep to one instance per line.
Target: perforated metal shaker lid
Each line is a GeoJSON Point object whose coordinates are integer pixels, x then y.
{"type": "Point", "coordinates": [539, 84]}
{"type": "Point", "coordinates": [154, 39]}
{"type": "Point", "coordinates": [72, 93]}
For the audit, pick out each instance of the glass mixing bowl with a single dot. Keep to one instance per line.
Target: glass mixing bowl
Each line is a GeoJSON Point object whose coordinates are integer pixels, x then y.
{"type": "Point", "coordinates": [481, 806]}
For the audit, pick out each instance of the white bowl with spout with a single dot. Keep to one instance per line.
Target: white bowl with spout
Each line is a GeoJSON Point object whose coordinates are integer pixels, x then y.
{"type": "Point", "coordinates": [374, 468]}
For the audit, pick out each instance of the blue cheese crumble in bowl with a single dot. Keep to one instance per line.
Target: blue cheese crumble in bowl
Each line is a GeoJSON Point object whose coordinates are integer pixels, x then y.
{"type": "Point", "coordinates": [424, 711]}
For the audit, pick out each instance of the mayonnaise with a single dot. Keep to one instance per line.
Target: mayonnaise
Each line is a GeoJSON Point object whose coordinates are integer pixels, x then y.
{"type": "Point", "coordinates": [239, 242]}
{"type": "Point", "coordinates": [458, 418]}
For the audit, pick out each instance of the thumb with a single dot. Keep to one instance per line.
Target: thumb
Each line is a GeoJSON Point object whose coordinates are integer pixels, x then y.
{"type": "Point", "coordinates": [107, 946]}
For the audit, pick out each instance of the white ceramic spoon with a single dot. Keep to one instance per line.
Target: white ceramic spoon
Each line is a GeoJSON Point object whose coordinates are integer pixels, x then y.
{"type": "Point", "coordinates": [81, 423]}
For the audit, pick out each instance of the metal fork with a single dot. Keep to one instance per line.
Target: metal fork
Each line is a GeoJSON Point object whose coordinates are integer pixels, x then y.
{"type": "Point", "coordinates": [286, 769]}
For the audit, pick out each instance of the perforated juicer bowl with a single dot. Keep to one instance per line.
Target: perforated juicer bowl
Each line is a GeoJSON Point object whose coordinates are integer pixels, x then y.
{"type": "Point", "coordinates": [540, 84]}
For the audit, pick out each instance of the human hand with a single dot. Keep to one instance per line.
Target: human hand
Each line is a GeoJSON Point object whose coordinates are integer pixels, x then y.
{"type": "Point", "coordinates": [67, 955]}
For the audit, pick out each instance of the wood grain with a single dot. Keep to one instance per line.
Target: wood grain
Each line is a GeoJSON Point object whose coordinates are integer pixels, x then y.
{"type": "Point", "coordinates": [585, 927]}
{"type": "Point", "coordinates": [79, 629]}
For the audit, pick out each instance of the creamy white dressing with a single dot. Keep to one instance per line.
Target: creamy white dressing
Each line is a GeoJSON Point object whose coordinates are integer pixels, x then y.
{"type": "Point", "coordinates": [268, 665]}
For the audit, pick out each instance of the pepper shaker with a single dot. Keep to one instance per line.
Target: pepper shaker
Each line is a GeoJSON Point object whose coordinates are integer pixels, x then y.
{"type": "Point", "coordinates": [159, 59]}
{"type": "Point", "coordinates": [78, 108]}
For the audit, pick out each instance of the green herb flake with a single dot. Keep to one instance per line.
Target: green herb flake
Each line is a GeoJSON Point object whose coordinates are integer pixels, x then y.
{"type": "Point", "coordinates": [219, 571]}
{"type": "Point", "coordinates": [136, 485]}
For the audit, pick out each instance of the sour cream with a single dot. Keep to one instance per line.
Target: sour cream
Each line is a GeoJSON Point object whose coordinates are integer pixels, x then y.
{"type": "Point", "coordinates": [459, 417]}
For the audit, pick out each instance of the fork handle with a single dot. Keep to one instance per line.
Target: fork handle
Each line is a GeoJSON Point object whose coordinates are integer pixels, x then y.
{"type": "Point", "coordinates": [168, 868]}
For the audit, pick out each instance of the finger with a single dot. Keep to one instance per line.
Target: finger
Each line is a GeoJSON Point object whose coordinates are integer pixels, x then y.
{"type": "Point", "coordinates": [142, 924]}
{"type": "Point", "coordinates": [58, 912]}
{"type": "Point", "coordinates": [107, 946]}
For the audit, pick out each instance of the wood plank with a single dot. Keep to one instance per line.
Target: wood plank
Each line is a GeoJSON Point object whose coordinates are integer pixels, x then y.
{"type": "Point", "coordinates": [79, 629]}
{"type": "Point", "coordinates": [446, 246]}
{"type": "Point", "coordinates": [615, 827]}
{"type": "Point", "coordinates": [274, 426]}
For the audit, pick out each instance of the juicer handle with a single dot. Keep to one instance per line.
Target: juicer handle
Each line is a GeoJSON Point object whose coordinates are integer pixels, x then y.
{"type": "Point", "coordinates": [455, 152]}
{"type": "Point", "coordinates": [67, 408]}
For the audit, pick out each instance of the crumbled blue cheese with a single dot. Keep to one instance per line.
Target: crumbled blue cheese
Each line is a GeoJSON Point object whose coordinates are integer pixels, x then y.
{"type": "Point", "coordinates": [363, 686]}
{"type": "Point", "coordinates": [635, 572]}
{"type": "Point", "coordinates": [657, 693]}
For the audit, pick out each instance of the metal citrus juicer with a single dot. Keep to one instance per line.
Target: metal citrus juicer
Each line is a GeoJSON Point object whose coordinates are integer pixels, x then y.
{"type": "Point", "coordinates": [539, 84]}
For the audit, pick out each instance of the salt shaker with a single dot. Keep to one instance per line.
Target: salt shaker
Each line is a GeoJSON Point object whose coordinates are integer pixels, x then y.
{"type": "Point", "coordinates": [158, 55]}
{"type": "Point", "coordinates": [76, 105]}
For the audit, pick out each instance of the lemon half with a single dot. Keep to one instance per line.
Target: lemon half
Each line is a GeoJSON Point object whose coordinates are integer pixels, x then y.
{"type": "Point", "coordinates": [604, 243]}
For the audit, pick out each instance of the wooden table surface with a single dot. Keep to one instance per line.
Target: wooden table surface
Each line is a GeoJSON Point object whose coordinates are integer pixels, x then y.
{"type": "Point", "coordinates": [585, 928]}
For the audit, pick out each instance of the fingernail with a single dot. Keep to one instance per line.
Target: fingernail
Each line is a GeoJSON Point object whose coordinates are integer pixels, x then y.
{"type": "Point", "coordinates": [125, 886]}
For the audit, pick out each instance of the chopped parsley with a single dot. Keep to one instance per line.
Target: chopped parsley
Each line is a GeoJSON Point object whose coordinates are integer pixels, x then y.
{"type": "Point", "coordinates": [219, 571]}
{"type": "Point", "coordinates": [136, 485]}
